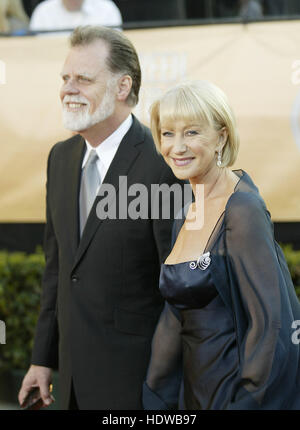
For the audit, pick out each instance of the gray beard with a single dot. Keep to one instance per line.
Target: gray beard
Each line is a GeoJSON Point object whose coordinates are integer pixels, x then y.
{"type": "Point", "coordinates": [79, 121]}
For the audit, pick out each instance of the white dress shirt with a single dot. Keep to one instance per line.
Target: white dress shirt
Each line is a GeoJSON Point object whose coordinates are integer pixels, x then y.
{"type": "Point", "coordinates": [52, 15]}
{"type": "Point", "coordinates": [108, 148]}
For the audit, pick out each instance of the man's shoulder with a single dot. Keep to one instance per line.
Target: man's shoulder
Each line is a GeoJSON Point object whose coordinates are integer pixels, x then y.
{"type": "Point", "coordinates": [142, 134]}
{"type": "Point", "coordinates": [65, 146]}
{"type": "Point", "coordinates": [148, 148]}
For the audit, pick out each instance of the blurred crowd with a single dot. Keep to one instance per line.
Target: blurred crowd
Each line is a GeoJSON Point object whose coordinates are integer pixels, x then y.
{"type": "Point", "coordinates": [19, 16]}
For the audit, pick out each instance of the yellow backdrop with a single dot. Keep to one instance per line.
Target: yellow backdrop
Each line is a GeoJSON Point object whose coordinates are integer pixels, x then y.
{"type": "Point", "coordinates": [257, 65]}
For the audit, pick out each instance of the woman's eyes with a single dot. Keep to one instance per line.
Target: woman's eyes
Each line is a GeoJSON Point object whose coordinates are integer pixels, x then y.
{"type": "Point", "coordinates": [186, 133]}
{"type": "Point", "coordinates": [191, 133]}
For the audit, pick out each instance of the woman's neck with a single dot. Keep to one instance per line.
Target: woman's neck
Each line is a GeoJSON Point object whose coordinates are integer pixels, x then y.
{"type": "Point", "coordinates": [216, 183]}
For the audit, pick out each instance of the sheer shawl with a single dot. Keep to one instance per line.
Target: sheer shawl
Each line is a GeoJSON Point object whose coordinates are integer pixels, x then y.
{"type": "Point", "coordinates": [263, 299]}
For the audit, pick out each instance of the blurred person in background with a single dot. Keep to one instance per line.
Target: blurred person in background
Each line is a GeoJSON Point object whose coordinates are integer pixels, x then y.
{"type": "Point", "coordinates": [68, 14]}
{"type": "Point", "coordinates": [30, 5]}
{"type": "Point", "coordinates": [251, 9]}
{"type": "Point", "coordinates": [13, 18]}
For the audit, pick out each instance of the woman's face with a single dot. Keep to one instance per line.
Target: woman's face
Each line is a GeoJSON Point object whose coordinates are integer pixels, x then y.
{"type": "Point", "coordinates": [190, 149]}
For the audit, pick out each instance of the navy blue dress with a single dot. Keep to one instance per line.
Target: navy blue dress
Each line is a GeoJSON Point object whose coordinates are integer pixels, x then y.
{"type": "Point", "coordinates": [225, 337]}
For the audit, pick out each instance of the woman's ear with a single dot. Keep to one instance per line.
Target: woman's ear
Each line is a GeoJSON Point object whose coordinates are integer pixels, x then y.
{"type": "Point", "coordinates": [124, 87]}
{"type": "Point", "coordinates": [223, 136]}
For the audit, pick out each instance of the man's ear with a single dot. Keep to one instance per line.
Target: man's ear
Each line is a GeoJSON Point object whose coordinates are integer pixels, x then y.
{"type": "Point", "coordinates": [124, 87]}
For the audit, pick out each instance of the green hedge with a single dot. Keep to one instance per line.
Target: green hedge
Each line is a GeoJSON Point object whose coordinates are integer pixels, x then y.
{"type": "Point", "coordinates": [20, 285]}
{"type": "Point", "coordinates": [293, 260]}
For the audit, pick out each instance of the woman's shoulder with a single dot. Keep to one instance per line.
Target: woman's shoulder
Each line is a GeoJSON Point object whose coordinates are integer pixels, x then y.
{"type": "Point", "coordinates": [240, 199]}
{"type": "Point", "coordinates": [245, 207]}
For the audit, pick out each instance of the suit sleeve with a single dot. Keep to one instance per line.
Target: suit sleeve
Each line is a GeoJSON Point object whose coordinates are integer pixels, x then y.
{"type": "Point", "coordinates": [45, 350]}
{"type": "Point", "coordinates": [256, 282]}
{"type": "Point", "coordinates": [168, 205]}
{"type": "Point", "coordinates": [162, 386]}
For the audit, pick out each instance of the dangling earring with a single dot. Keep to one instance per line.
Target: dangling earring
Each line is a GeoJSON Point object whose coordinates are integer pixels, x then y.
{"type": "Point", "coordinates": [219, 162]}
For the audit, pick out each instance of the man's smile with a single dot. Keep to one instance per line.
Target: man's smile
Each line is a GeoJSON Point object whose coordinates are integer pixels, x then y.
{"type": "Point", "coordinates": [73, 106]}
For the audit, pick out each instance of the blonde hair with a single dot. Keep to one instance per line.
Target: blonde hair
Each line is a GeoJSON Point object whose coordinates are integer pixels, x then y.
{"type": "Point", "coordinates": [11, 9]}
{"type": "Point", "coordinates": [199, 101]}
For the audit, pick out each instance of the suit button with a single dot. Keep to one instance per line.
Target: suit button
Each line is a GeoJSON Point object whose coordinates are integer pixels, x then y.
{"type": "Point", "coordinates": [74, 279]}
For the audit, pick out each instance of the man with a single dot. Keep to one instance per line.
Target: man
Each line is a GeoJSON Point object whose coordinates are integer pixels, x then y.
{"type": "Point", "coordinates": [68, 14]}
{"type": "Point", "coordinates": [100, 300]}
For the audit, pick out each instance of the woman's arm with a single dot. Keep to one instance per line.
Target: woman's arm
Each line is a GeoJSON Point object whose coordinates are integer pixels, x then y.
{"type": "Point", "coordinates": [257, 283]}
{"type": "Point", "coordinates": [161, 389]}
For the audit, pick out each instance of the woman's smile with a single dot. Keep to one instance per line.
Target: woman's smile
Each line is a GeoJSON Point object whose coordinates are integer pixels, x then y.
{"type": "Point", "coordinates": [182, 162]}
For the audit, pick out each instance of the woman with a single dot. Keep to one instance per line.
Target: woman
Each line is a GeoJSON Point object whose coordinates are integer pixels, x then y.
{"type": "Point", "coordinates": [13, 19]}
{"type": "Point", "coordinates": [224, 339]}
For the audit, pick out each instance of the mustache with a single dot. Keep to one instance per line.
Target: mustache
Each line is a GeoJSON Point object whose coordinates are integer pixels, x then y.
{"type": "Point", "coordinates": [75, 99]}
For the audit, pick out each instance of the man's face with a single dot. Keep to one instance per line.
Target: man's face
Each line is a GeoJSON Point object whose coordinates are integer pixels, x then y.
{"type": "Point", "coordinates": [89, 89]}
{"type": "Point", "coordinates": [72, 5]}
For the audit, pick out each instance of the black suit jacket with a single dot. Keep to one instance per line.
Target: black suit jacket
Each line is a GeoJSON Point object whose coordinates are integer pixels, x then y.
{"type": "Point", "coordinates": [100, 300]}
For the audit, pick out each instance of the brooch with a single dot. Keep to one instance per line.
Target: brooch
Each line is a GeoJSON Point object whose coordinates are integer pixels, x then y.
{"type": "Point", "coordinates": [203, 262]}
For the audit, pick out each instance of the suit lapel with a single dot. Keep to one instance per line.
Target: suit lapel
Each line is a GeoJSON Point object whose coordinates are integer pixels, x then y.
{"type": "Point", "coordinates": [125, 157]}
{"type": "Point", "coordinates": [72, 174]}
